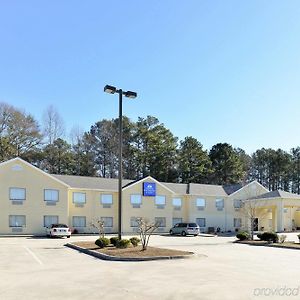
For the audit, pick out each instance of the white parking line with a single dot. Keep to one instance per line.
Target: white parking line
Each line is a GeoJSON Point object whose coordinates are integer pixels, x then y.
{"type": "Point", "coordinates": [33, 255]}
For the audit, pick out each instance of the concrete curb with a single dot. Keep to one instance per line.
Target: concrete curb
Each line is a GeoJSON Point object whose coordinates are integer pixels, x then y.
{"type": "Point", "coordinates": [118, 258]}
{"type": "Point", "coordinates": [268, 245]}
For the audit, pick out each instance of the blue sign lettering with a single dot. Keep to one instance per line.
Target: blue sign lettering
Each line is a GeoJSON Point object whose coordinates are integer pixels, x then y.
{"type": "Point", "coordinates": [149, 189]}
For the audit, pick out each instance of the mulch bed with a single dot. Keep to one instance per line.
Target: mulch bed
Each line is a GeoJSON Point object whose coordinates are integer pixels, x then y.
{"type": "Point", "coordinates": [288, 245]}
{"type": "Point", "coordinates": [132, 251]}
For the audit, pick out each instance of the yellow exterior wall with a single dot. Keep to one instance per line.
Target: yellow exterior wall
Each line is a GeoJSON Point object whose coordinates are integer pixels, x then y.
{"type": "Point", "coordinates": [34, 207]}
{"type": "Point", "coordinates": [148, 209]}
{"type": "Point", "coordinates": [17, 173]}
{"type": "Point", "coordinates": [93, 209]}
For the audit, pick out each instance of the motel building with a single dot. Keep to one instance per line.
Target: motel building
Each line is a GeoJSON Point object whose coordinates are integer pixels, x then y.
{"type": "Point", "coordinates": [31, 200]}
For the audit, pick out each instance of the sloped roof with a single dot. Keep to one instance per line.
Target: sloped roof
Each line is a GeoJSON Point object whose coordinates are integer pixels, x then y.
{"type": "Point", "coordinates": [96, 183]}
{"type": "Point", "coordinates": [232, 188]}
{"type": "Point", "coordinates": [278, 194]}
{"type": "Point", "coordinates": [177, 188]}
{"type": "Point", "coordinates": [111, 184]}
{"type": "Point", "coordinates": [207, 189]}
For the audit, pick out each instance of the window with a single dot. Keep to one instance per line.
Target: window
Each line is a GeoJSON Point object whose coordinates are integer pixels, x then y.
{"type": "Point", "coordinates": [237, 222]}
{"type": "Point", "coordinates": [79, 221]}
{"type": "Point", "coordinates": [201, 222]}
{"type": "Point", "coordinates": [133, 222]}
{"type": "Point", "coordinates": [136, 200]}
{"type": "Point", "coordinates": [220, 204]}
{"type": "Point", "coordinates": [160, 200]}
{"type": "Point", "coordinates": [285, 210]}
{"type": "Point", "coordinates": [161, 221]}
{"type": "Point", "coordinates": [108, 221]}
{"type": "Point", "coordinates": [177, 202]}
{"type": "Point", "coordinates": [17, 194]}
{"type": "Point", "coordinates": [200, 203]}
{"type": "Point", "coordinates": [176, 221]}
{"type": "Point", "coordinates": [237, 203]}
{"type": "Point", "coordinates": [17, 221]}
{"type": "Point", "coordinates": [51, 195]}
{"type": "Point", "coordinates": [79, 198]}
{"type": "Point", "coordinates": [49, 220]}
{"type": "Point", "coordinates": [106, 199]}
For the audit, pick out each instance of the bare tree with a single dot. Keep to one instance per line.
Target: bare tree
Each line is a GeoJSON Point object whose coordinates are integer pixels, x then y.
{"type": "Point", "coordinates": [253, 209]}
{"type": "Point", "coordinates": [99, 225]}
{"type": "Point", "coordinates": [146, 229]}
{"type": "Point", "coordinates": [53, 124]}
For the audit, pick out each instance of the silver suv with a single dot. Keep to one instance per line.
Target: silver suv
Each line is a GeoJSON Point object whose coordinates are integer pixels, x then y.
{"type": "Point", "coordinates": [185, 229]}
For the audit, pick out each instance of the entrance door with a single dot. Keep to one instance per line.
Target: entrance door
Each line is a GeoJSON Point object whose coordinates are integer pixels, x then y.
{"type": "Point", "coordinates": [255, 225]}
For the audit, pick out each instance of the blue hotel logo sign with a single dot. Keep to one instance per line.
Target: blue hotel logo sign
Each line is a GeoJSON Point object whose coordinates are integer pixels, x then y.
{"type": "Point", "coordinates": [149, 189]}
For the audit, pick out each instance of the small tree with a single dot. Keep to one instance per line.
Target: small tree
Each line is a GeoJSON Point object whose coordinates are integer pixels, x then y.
{"type": "Point", "coordinates": [99, 225]}
{"type": "Point", "coordinates": [253, 207]}
{"type": "Point", "coordinates": [146, 229]}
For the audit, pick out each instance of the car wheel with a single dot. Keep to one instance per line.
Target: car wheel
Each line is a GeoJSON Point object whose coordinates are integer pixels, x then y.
{"type": "Point", "coordinates": [68, 236]}
{"type": "Point", "coordinates": [183, 233]}
{"type": "Point", "coordinates": [195, 234]}
{"type": "Point", "coordinates": [171, 232]}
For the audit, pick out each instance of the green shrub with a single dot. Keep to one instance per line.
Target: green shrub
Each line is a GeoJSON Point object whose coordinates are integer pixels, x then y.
{"type": "Point", "coordinates": [123, 244]}
{"type": "Point", "coordinates": [242, 236]}
{"type": "Point", "coordinates": [102, 242]}
{"type": "Point", "coordinates": [259, 235]}
{"type": "Point", "coordinates": [270, 237]}
{"type": "Point", "coordinates": [134, 241]}
{"type": "Point", "coordinates": [114, 240]}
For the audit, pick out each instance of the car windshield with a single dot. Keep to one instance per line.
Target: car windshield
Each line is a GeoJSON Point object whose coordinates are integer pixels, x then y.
{"type": "Point", "coordinates": [192, 225]}
{"type": "Point", "coordinates": [59, 226]}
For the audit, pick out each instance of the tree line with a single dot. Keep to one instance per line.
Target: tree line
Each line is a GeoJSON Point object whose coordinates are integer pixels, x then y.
{"type": "Point", "coordinates": [149, 148]}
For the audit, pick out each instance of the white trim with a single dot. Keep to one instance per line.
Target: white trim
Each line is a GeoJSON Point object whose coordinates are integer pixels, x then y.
{"type": "Point", "coordinates": [33, 167]}
{"type": "Point", "coordinates": [144, 179]}
{"type": "Point", "coordinates": [247, 185]}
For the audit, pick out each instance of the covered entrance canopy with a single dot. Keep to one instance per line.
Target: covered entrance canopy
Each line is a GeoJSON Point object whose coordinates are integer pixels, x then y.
{"type": "Point", "coordinates": [277, 210]}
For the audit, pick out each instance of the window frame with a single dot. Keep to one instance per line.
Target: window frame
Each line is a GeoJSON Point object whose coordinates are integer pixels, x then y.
{"type": "Point", "coordinates": [21, 226]}
{"type": "Point", "coordinates": [103, 203]}
{"type": "Point", "coordinates": [240, 222]}
{"type": "Point", "coordinates": [45, 190]}
{"type": "Point", "coordinates": [173, 223]}
{"type": "Point", "coordinates": [17, 188]}
{"type": "Point", "coordinates": [50, 216]}
{"type": "Point", "coordinates": [75, 202]}
{"type": "Point", "coordinates": [235, 201]}
{"type": "Point", "coordinates": [165, 221]}
{"type": "Point", "coordinates": [135, 203]}
{"type": "Point", "coordinates": [157, 197]}
{"type": "Point", "coordinates": [202, 206]}
{"type": "Point", "coordinates": [112, 222]}
{"type": "Point", "coordinates": [177, 198]}
{"type": "Point", "coordinates": [78, 226]}
{"type": "Point", "coordinates": [218, 200]}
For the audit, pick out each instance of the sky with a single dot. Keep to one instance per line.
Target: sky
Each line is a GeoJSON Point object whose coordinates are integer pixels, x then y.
{"type": "Point", "coordinates": [220, 71]}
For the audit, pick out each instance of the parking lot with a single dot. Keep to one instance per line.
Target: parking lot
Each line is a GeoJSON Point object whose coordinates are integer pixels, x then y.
{"type": "Point", "coordinates": [40, 268]}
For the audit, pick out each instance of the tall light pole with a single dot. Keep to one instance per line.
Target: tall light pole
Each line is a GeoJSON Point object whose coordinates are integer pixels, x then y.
{"type": "Point", "coordinates": [112, 90]}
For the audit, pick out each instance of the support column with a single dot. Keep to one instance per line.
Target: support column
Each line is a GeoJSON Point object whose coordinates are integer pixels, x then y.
{"type": "Point", "coordinates": [274, 218]}
{"type": "Point", "coordinates": [280, 221]}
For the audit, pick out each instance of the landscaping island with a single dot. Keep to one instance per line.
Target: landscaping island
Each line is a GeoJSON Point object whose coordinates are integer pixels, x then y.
{"type": "Point", "coordinates": [128, 254]}
{"type": "Point", "coordinates": [287, 245]}
{"type": "Point", "coordinates": [267, 239]}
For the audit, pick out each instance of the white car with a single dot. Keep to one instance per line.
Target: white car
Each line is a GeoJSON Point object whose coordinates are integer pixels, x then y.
{"type": "Point", "coordinates": [58, 230]}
